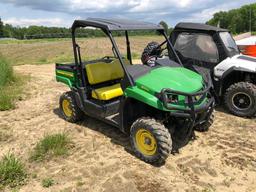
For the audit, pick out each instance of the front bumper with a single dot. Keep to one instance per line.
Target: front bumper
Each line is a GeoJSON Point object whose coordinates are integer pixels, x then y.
{"type": "Point", "coordinates": [190, 111]}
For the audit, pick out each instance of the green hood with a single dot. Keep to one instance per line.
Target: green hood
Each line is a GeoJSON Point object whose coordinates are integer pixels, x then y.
{"type": "Point", "coordinates": [175, 78]}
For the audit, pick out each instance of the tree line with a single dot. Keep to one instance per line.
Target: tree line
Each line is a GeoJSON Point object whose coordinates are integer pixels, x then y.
{"type": "Point", "coordinates": [236, 20]}
{"type": "Point", "coordinates": [38, 32]}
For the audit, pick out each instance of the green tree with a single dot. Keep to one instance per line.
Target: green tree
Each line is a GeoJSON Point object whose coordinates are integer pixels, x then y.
{"type": "Point", "coordinates": [236, 20]}
{"type": "Point", "coordinates": [38, 32]}
{"type": "Point", "coordinates": [1, 28]}
{"type": "Point", "coordinates": [8, 30]}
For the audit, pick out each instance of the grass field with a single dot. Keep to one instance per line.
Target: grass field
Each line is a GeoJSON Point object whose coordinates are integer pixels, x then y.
{"type": "Point", "coordinates": [29, 41]}
{"type": "Point", "coordinates": [60, 50]}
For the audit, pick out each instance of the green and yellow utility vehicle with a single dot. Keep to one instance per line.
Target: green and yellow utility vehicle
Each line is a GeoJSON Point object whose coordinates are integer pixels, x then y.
{"type": "Point", "coordinates": [158, 107]}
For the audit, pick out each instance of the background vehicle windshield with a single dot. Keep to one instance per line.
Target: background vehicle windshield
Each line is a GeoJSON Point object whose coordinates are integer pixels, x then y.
{"type": "Point", "coordinates": [197, 46]}
{"type": "Point", "coordinates": [229, 43]}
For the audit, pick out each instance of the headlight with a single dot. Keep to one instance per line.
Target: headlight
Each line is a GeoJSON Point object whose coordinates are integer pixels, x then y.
{"type": "Point", "coordinates": [198, 97]}
{"type": "Point", "coordinates": [172, 98]}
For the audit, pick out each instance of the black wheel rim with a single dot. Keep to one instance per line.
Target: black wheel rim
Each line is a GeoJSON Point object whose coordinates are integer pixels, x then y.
{"type": "Point", "coordinates": [241, 101]}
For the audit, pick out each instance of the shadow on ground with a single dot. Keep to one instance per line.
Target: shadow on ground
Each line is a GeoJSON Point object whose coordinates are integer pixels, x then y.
{"type": "Point", "coordinates": [117, 137]}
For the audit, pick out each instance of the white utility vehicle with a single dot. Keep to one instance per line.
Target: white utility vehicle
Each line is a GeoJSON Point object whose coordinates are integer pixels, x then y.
{"type": "Point", "coordinates": [212, 50]}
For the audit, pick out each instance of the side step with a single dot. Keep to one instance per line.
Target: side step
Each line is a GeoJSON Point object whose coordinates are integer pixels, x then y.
{"type": "Point", "coordinates": [114, 119]}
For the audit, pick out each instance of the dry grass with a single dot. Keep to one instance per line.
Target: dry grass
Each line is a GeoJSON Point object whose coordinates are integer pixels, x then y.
{"type": "Point", "coordinates": [40, 52]}
{"type": "Point", "coordinates": [5, 133]}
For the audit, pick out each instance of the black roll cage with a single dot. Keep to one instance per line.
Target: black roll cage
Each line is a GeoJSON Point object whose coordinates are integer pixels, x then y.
{"type": "Point", "coordinates": [108, 31]}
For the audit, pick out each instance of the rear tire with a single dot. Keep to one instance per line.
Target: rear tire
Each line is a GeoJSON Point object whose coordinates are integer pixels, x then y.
{"type": "Point", "coordinates": [69, 108]}
{"type": "Point", "coordinates": [150, 140]}
{"type": "Point", "coordinates": [240, 99]}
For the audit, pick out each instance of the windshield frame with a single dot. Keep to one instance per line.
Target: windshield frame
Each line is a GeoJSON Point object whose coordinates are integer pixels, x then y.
{"type": "Point", "coordinates": [231, 49]}
{"type": "Point", "coordinates": [129, 81]}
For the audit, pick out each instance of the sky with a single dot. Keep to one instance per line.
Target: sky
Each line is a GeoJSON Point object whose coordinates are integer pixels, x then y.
{"type": "Point", "coordinates": [64, 12]}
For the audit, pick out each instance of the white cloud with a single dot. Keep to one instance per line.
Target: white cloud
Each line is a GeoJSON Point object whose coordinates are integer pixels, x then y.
{"type": "Point", "coordinates": [206, 14]}
{"type": "Point", "coordinates": [102, 6]}
{"type": "Point", "coordinates": [151, 5]}
{"type": "Point", "coordinates": [172, 11]}
{"type": "Point", "coordinates": [201, 16]}
{"type": "Point", "coordinates": [23, 22]}
{"type": "Point", "coordinates": [89, 6]}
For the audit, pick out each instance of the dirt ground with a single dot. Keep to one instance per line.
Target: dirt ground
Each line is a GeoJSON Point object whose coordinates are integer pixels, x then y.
{"type": "Point", "coordinates": [223, 159]}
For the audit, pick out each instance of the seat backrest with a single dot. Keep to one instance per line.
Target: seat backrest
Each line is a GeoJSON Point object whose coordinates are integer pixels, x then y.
{"type": "Point", "coordinates": [103, 72]}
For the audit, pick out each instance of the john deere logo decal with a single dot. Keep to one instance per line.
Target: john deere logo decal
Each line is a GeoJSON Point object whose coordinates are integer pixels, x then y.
{"type": "Point", "coordinates": [144, 88]}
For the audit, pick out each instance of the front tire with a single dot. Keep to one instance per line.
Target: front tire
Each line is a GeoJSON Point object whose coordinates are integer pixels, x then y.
{"type": "Point", "coordinates": [150, 140]}
{"type": "Point", "coordinates": [207, 124]}
{"type": "Point", "coordinates": [69, 108]}
{"type": "Point", "coordinates": [240, 99]}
